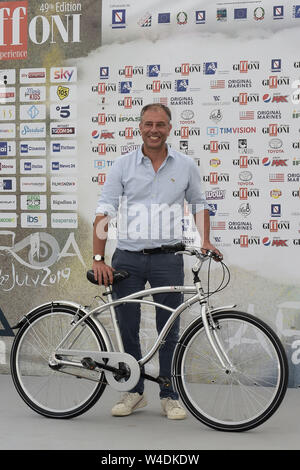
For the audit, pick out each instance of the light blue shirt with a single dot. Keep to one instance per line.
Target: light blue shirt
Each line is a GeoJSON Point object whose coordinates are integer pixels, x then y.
{"type": "Point", "coordinates": [150, 205]}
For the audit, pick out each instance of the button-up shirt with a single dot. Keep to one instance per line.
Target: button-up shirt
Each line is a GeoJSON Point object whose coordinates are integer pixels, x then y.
{"type": "Point", "coordinates": [150, 205]}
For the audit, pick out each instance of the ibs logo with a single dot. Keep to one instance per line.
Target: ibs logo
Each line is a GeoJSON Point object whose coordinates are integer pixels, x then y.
{"type": "Point", "coordinates": [13, 30]}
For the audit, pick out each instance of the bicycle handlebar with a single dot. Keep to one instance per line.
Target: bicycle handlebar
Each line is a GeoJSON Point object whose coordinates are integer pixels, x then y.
{"type": "Point", "coordinates": [180, 248]}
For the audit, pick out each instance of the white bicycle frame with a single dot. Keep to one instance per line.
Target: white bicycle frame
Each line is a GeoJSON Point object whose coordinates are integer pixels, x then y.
{"type": "Point", "coordinates": [115, 357]}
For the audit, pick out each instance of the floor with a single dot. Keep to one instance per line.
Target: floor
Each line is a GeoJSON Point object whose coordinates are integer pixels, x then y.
{"type": "Point", "coordinates": [146, 429]}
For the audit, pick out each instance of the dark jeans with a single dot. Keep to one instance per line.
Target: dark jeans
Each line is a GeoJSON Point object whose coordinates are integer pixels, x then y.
{"type": "Point", "coordinates": [158, 270]}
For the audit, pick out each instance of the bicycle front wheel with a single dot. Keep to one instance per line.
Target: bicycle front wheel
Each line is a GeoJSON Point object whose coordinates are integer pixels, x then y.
{"type": "Point", "coordinates": [243, 397]}
{"type": "Point", "coordinates": [64, 391]}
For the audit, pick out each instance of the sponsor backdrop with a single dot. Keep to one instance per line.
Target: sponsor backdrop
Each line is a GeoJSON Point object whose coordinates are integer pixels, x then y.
{"type": "Point", "coordinates": [74, 77]}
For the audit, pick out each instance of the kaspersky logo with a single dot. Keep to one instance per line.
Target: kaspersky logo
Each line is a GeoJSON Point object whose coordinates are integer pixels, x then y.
{"type": "Point", "coordinates": [13, 30]}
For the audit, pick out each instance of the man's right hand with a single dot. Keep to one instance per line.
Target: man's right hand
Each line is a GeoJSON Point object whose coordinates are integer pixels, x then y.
{"type": "Point", "coordinates": [103, 273]}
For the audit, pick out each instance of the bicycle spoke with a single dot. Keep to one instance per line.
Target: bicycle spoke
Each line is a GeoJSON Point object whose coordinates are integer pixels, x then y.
{"type": "Point", "coordinates": [49, 391]}
{"type": "Point", "coordinates": [240, 396]}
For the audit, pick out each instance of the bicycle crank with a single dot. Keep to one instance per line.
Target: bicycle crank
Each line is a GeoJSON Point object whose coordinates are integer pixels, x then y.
{"type": "Point", "coordinates": [122, 371]}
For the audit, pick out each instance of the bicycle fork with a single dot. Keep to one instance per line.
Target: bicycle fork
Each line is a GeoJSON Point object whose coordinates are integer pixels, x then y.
{"type": "Point", "coordinates": [210, 328]}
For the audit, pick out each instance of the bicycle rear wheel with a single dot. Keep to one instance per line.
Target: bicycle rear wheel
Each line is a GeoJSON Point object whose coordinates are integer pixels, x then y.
{"type": "Point", "coordinates": [246, 396]}
{"type": "Point", "coordinates": [64, 391]}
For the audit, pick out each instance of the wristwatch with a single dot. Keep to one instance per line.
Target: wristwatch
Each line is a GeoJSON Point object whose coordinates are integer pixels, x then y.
{"type": "Point", "coordinates": [98, 258]}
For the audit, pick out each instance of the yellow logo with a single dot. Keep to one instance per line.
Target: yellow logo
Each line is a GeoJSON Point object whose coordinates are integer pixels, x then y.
{"type": "Point", "coordinates": [62, 92]}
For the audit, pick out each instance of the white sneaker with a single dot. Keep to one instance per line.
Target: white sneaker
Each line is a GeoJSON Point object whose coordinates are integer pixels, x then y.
{"type": "Point", "coordinates": [172, 409]}
{"type": "Point", "coordinates": [129, 403]}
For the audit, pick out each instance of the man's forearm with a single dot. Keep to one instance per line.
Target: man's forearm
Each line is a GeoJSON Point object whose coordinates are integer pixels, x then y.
{"type": "Point", "coordinates": [202, 221]}
{"type": "Point", "coordinates": [100, 233]}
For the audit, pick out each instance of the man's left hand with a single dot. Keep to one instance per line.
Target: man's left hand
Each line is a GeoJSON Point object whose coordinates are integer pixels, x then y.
{"type": "Point", "coordinates": [209, 246]}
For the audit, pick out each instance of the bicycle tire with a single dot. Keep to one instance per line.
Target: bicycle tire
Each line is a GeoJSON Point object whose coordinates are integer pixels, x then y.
{"type": "Point", "coordinates": [68, 391]}
{"type": "Point", "coordinates": [247, 396]}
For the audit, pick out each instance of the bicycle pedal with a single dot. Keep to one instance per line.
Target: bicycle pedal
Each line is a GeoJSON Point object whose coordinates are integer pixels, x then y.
{"type": "Point", "coordinates": [165, 381]}
{"type": "Point", "coordinates": [89, 363]}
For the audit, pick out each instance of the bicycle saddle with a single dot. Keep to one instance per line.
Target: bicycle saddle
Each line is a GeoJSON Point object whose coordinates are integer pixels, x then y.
{"type": "Point", "coordinates": [117, 275]}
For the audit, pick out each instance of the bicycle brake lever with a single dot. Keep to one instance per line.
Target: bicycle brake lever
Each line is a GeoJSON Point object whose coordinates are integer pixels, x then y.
{"type": "Point", "coordinates": [185, 252]}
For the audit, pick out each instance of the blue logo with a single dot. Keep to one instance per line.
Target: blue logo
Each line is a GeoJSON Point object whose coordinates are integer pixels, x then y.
{"type": "Point", "coordinates": [267, 98]}
{"type": "Point", "coordinates": [164, 17]}
{"type": "Point", "coordinates": [212, 131]}
{"type": "Point", "coordinates": [24, 148]}
{"type": "Point", "coordinates": [276, 65]}
{"type": "Point", "coordinates": [55, 166]}
{"type": "Point", "coordinates": [181, 85]}
{"type": "Point", "coordinates": [33, 112]}
{"type": "Point", "coordinates": [3, 148]}
{"type": "Point", "coordinates": [266, 241]}
{"type": "Point", "coordinates": [153, 70]}
{"type": "Point", "coordinates": [55, 147]}
{"type": "Point", "coordinates": [104, 73]}
{"type": "Point", "coordinates": [27, 166]}
{"type": "Point", "coordinates": [7, 185]}
{"type": "Point", "coordinates": [119, 18]}
{"type": "Point", "coordinates": [296, 11]}
{"type": "Point", "coordinates": [240, 13]}
{"type": "Point", "coordinates": [125, 87]}
{"type": "Point", "coordinates": [213, 209]}
{"type": "Point", "coordinates": [200, 16]}
{"type": "Point", "coordinates": [275, 210]}
{"type": "Point", "coordinates": [278, 12]}
{"type": "Point", "coordinates": [210, 68]}
{"type": "Point", "coordinates": [64, 111]}
{"type": "Point", "coordinates": [99, 164]}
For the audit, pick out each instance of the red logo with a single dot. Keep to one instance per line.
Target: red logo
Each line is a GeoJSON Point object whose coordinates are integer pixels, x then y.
{"type": "Point", "coordinates": [243, 161]}
{"type": "Point", "coordinates": [273, 130]}
{"type": "Point", "coordinates": [273, 81]}
{"type": "Point", "coordinates": [101, 149]}
{"type": "Point", "coordinates": [128, 102]}
{"type": "Point", "coordinates": [184, 132]}
{"type": "Point", "coordinates": [243, 194]}
{"type": "Point", "coordinates": [273, 226]}
{"type": "Point", "coordinates": [243, 66]}
{"type": "Point", "coordinates": [13, 30]}
{"type": "Point", "coordinates": [128, 133]}
{"type": "Point", "coordinates": [185, 69]}
{"type": "Point", "coordinates": [156, 86]}
{"type": "Point", "coordinates": [101, 119]}
{"type": "Point", "coordinates": [243, 98]}
{"type": "Point", "coordinates": [101, 178]}
{"type": "Point", "coordinates": [128, 71]}
{"type": "Point", "coordinates": [213, 146]}
{"type": "Point", "coordinates": [101, 88]}
{"type": "Point", "coordinates": [244, 241]}
{"type": "Point", "coordinates": [213, 177]}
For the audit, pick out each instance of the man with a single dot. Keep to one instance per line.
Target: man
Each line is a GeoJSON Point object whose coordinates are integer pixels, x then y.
{"type": "Point", "coordinates": [148, 187]}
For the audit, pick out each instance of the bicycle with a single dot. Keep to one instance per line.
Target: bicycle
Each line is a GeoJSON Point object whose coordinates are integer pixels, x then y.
{"type": "Point", "coordinates": [229, 367]}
